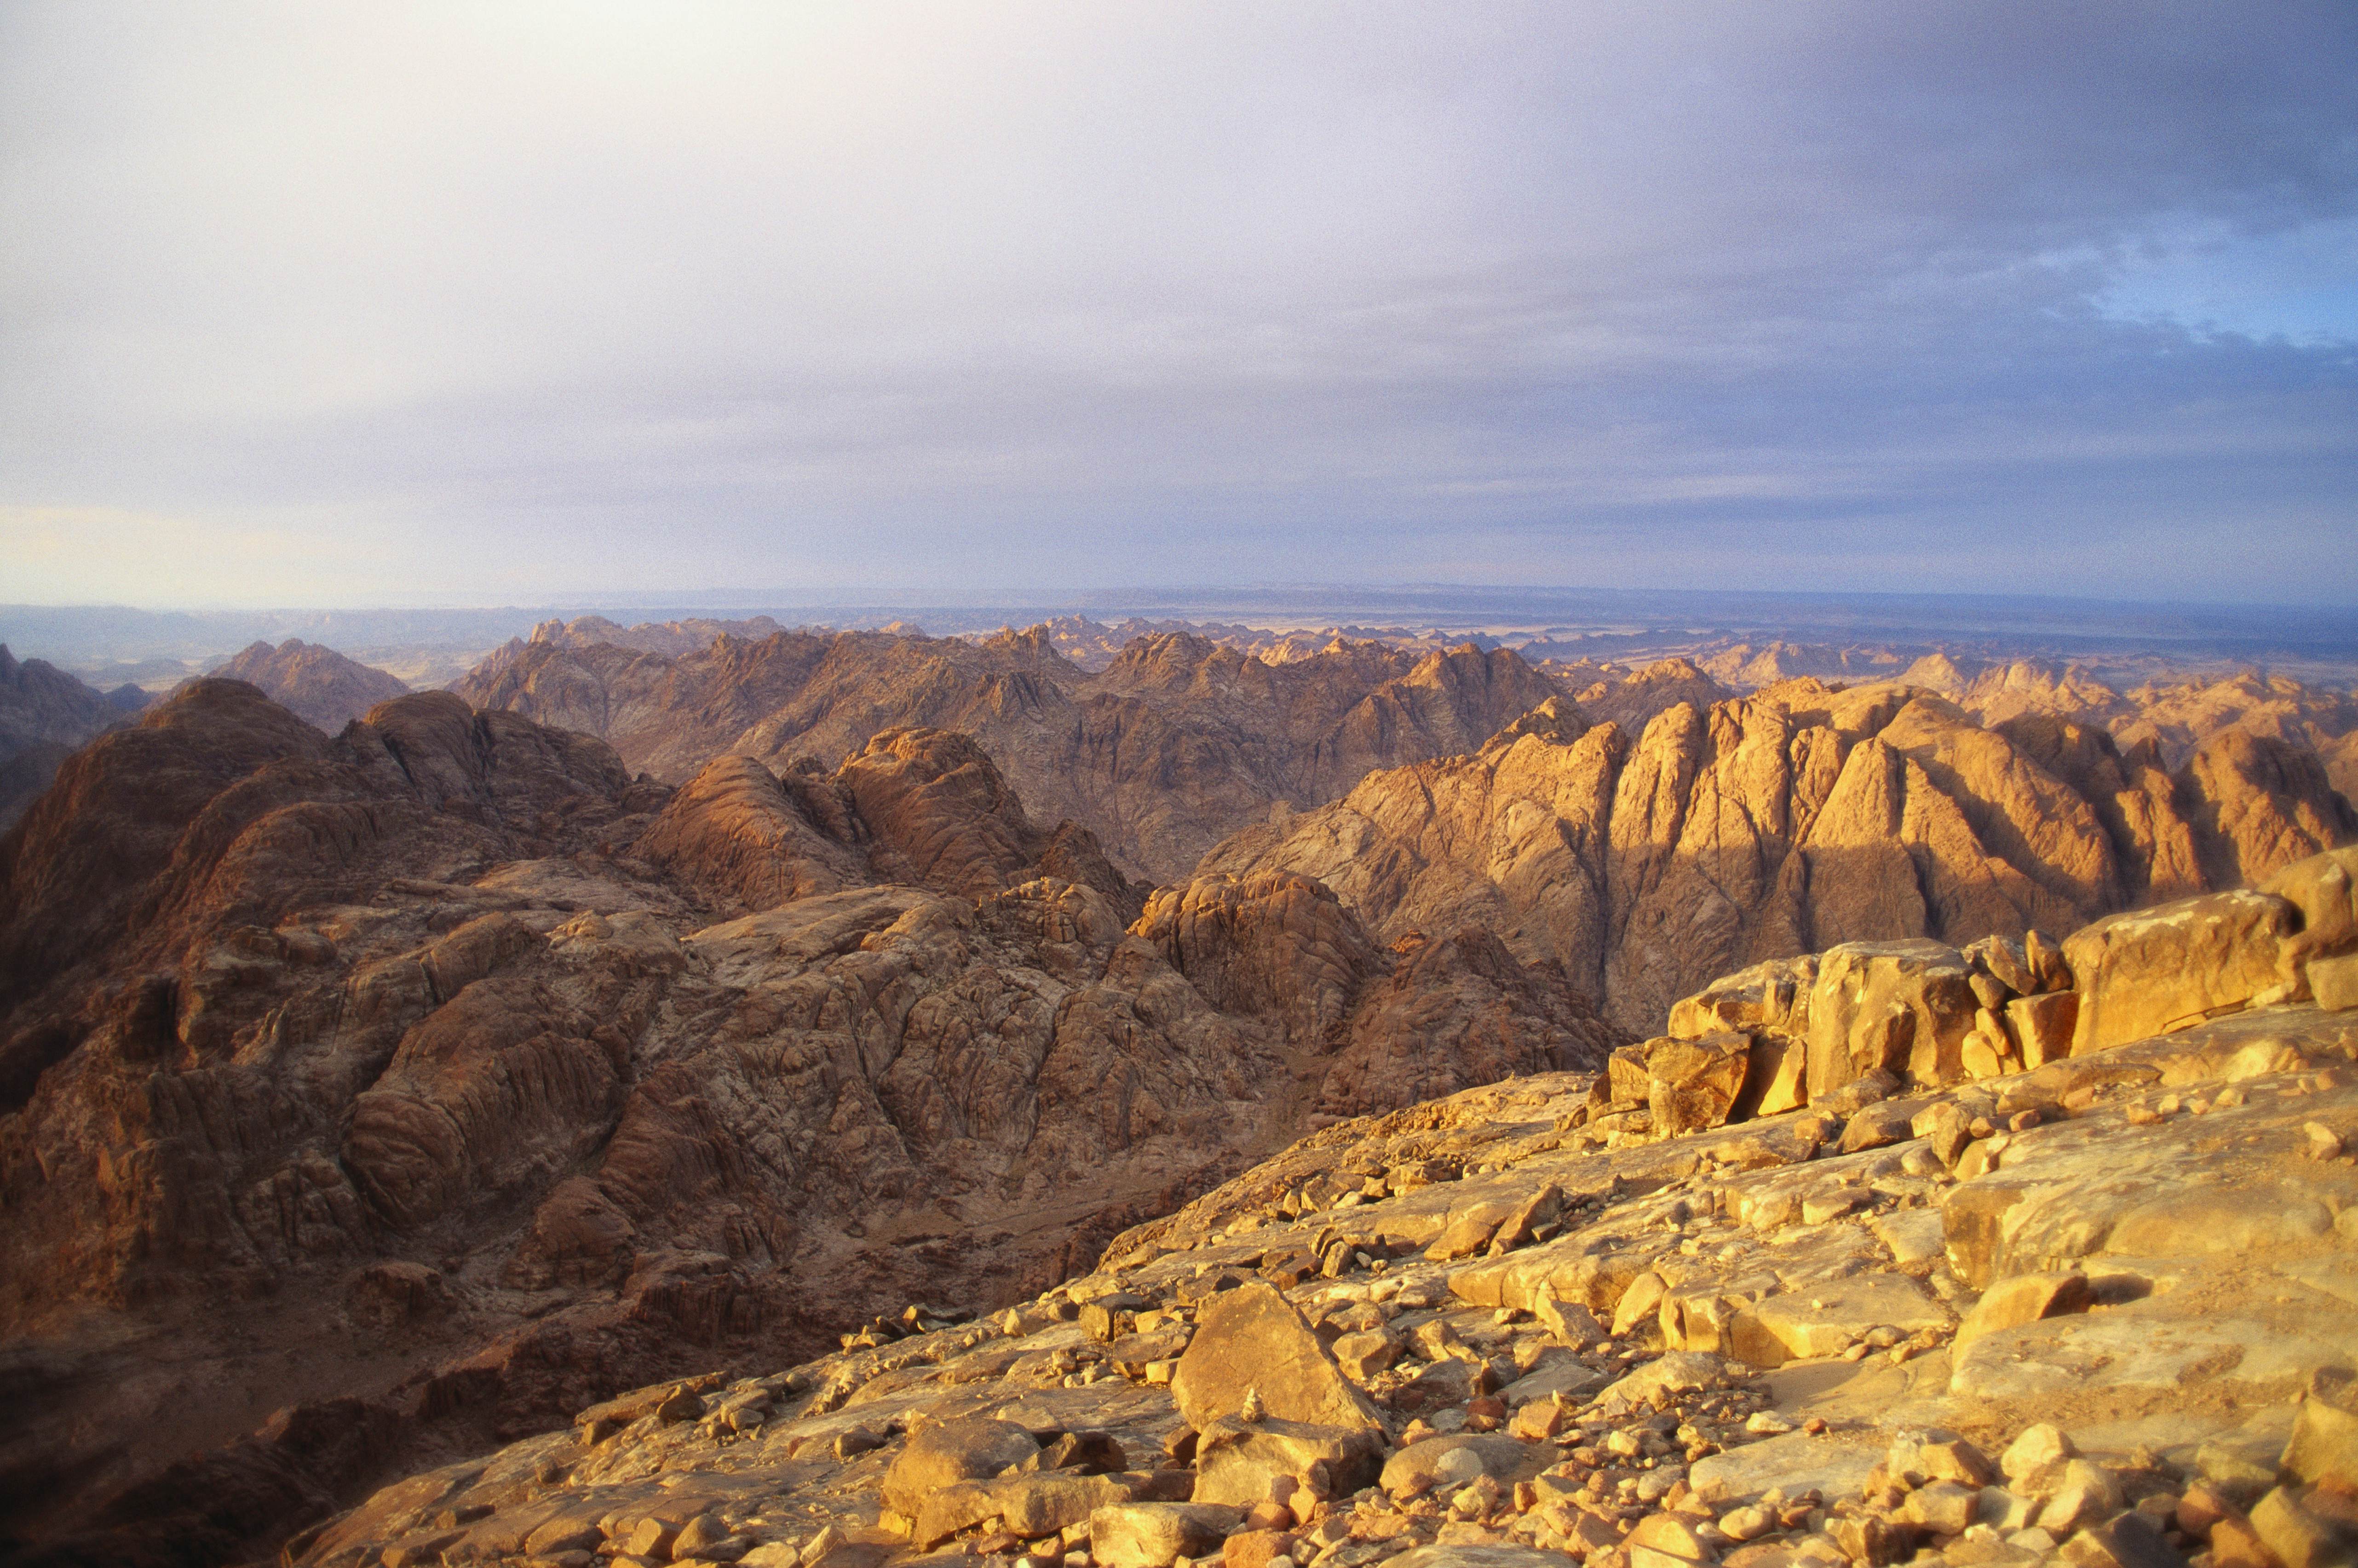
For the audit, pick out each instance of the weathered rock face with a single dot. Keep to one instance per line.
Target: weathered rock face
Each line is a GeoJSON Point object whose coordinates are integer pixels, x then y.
{"type": "Point", "coordinates": [1271, 944]}
{"type": "Point", "coordinates": [918, 806]}
{"type": "Point", "coordinates": [316, 683]}
{"type": "Point", "coordinates": [1901, 1008]}
{"type": "Point", "coordinates": [2153, 970]}
{"type": "Point", "coordinates": [1174, 744]}
{"type": "Point", "coordinates": [736, 832]}
{"type": "Point", "coordinates": [1853, 1025]}
{"type": "Point", "coordinates": [2180, 716]}
{"type": "Point", "coordinates": [1795, 820]}
{"type": "Point", "coordinates": [440, 1068]}
{"type": "Point", "coordinates": [2097, 1313]}
{"type": "Point", "coordinates": [1455, 1013]}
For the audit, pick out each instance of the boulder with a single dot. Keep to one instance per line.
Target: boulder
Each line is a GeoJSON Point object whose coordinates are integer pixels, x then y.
{"type": "Point", "coordinates": [1362, 1356]}
{"type": "Point", "coordinates": [1043, 1505]}
{"type": "Point", "coordinates": [1250, 1338]}
{"type": "Point", "coordinates": [1669, 1541]}
{"type": "Point", "coordinates": [1441, 1386]}
{"type": "Point", "coordinates": [2130, 1541]}
{"type": "Point", "coordinates": [2025, 1298]}
{"type": "Point", "coordinates": [2299, 1536]}
{"type": "Point", "coordinates": [1782, 1064]}
{"type": "Point", "coordinates": [1535, 1213]}
{"type": "Point", "coordinates": [1557, 1375]}
{"type": "Point", "coordinates": [1626, 1079]}
{"type": "Point", "coordinates": [1944, 1507]}
{"type": "Point", "coordinates": [1921, 1457]}
{"type": "Point", "coordinates": [1901, 1007]}
{"type": "Point", "coordinates": [1235, 1463]}
{"type": "Point", "coordinates": [1470, 1228]}
{"type": "Point", "coordinates": [951, 1451]}
{"type": "Point", "coordinates": [2042, 1026]}
{"type": "Point", "coordinates": [1641, 1301]}
{"type": "Point", "coordinates": [1152, 1535]}
{"type": "Point", "coordinates": [1774, 995]}
{"type": "Point", "coordinates": [1692, 1084]}
{"type": "Point", "coordinates": [2324, 1442]}
{"type": "Point", "coordinates": [2152, 970]}
{"type": "Point", "coordinates": [1569, 1322]}
{"type": "Point", "coordinates": [2333, 982]}
{"type": "Point", "coordinates": [1702, 1315]}
{"type": "Point", "coordinates": [1674, 1372]}
{"type": "Point", "coordinates": [1447, 1462]}
{"type": "Point", "coordinates": [2324, 888]}
{"type": "Point", "coordinates": [945, 1510]}
{"type": "Point", "coordinates": [1257, 1548]}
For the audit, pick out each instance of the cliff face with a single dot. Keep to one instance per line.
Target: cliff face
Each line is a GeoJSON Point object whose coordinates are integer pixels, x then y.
{"type": "Point", "coordinates": [1175, 743]}
{"type": "Point", "coordinates": [317, 684]}
{"type": "Point", "coordinates": [433, 1078]}
{"type": "Point", "coordinates": [1791, 820]}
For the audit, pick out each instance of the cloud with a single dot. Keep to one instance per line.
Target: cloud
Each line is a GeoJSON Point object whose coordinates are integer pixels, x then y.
{"type": "Point", "coordinates": [890, 298]}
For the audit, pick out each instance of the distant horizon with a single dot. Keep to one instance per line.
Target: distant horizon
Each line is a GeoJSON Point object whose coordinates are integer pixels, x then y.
{"type": "Point", "coordinates": [745, 603]}
{"type": "Point", "coordinates": [1600, 622]}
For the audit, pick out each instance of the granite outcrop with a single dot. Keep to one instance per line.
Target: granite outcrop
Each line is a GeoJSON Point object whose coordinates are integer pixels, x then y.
{"type": "Point", "coordinates": [1794, 821]}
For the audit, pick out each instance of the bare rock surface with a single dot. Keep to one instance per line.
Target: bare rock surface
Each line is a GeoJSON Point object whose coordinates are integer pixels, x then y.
{"type": "Point", "coordinates": [1169, 747]}
{"type": "Point", "coordinates": [2129, 1343]}
{"type": "Point", "coordinates": [1648, 862]}
{"type": "Point", "coordinates": [429, 1084]}
{"type": "Point", "coordinates": [315, 683]}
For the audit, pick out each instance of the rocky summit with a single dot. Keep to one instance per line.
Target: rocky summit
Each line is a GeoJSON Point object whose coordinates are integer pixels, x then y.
{"type": "Point", "coordinates": [1901, 1253]}
{"type": "Point", "coordinates": [318, 685]}
{"type": "Point", "coordinates": [1643, 1125]}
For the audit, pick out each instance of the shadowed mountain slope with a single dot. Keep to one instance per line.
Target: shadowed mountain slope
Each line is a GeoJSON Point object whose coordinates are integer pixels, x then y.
{"type": "Point", "coordinates": [46, 714]}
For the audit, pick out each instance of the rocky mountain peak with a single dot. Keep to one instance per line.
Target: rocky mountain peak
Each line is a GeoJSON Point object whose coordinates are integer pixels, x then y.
{"type": "Point", "coordinates": [317, 684]}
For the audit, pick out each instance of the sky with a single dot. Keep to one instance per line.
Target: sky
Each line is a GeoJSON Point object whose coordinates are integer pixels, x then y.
{"type": "Point", "coordinates": [358, 304]}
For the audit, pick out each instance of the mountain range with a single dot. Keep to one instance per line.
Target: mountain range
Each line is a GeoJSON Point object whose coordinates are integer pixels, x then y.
{"type": "Point", "coordinates": [413, 1078]}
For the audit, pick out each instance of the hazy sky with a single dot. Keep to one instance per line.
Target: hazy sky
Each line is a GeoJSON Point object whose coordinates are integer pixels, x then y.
{"type": "Point", "coordinates": [345, 303]}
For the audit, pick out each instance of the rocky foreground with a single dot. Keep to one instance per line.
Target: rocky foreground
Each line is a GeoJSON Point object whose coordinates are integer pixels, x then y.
{"type": "Point", "coordinates": [1897, 1252]}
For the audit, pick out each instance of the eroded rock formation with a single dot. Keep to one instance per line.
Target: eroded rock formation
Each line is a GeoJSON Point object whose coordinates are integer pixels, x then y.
{"type": "Point", "coordinates": [2093, 1312]}
{"type": "Point", "coordinates": [1175, 743]}
{"type": "Point", "coordinates": [1790, 820]}
{"type": "Point", "coordinates": [436, 1078]}
{"type": "Point", "coordinates": [315, 683]}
